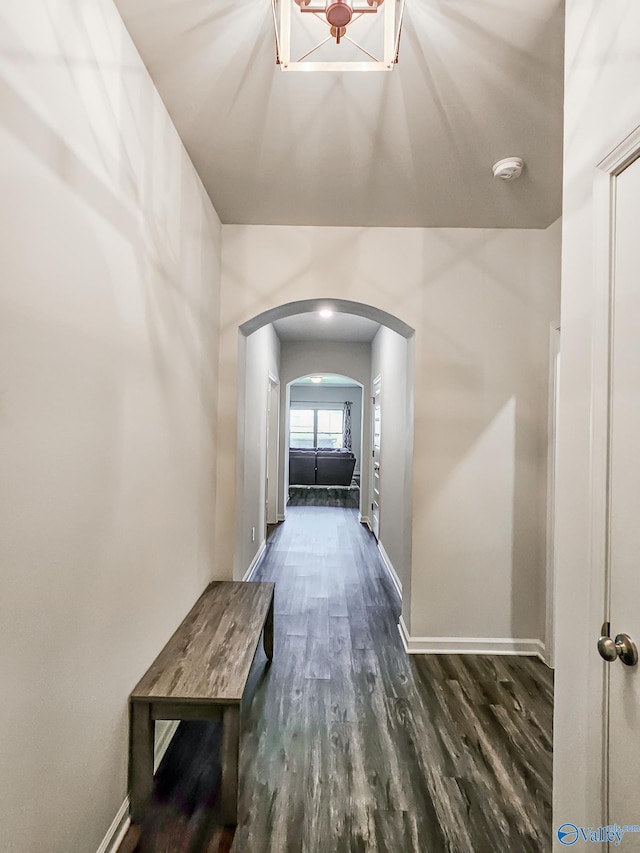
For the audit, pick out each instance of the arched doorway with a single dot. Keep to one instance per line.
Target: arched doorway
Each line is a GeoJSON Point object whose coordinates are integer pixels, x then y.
{"type": "Point", "coordinates": [390, 352]}
{"type": "Point", "coordinates": [324, 425]}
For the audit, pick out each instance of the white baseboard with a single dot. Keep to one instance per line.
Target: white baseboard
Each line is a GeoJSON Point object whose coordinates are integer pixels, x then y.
{"type": "Point", "coordinates": [546, 657]}
{"type": "Point", "coordinates": [162, 743]}
{"type": "Point", "coordinates": [254, 563]}
{"type": "Point", "coordinates": [281, 516]}
{"type": "Point", "coordinates": [117, 831]}
{"type": "Point", "coordinates": [364, 519]}
{"type": "Point", "coordinates": [395, 580]}
{"type": "Point", "coordinates": [468, 645]}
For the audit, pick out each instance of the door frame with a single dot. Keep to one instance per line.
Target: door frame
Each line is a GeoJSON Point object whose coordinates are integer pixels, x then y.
{"type": "Point", "coordinates": [605, 185]}
{"type": "Point", "coordinates": [272, 452]}
{"type": "Point", "coordinates": [372, 473]}
{"type": "Point", "coordinates": [552, 459]}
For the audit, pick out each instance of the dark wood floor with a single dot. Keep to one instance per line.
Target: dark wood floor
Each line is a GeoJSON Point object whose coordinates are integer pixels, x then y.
{"type": "Point", "coordinates": [350, 746]}
{"type": "Point", "coordinates": [340, 496]}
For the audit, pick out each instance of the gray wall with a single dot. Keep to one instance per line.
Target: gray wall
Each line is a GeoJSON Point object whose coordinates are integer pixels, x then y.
{"type": "Point", "coordinates": [335, 394]}
{"type": "Point", "coordinates": [480, 302]}
{"type": "Point", "coordinates": [389, 360]}
{"type": "Point", "coordinates": [109, 322]}
{"type": "Point", "coordinates": [261, 353]}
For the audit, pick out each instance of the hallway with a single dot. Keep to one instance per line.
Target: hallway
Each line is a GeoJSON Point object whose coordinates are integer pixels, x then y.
{"type": "Point", "coordinates": [350, 745]}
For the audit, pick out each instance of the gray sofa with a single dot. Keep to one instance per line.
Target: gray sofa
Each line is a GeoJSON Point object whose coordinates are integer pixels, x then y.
{"type": "Point", "coordinates": [318, 466]}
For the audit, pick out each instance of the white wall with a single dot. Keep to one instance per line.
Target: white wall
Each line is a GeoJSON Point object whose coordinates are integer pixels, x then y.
{"type": "Point", "coordinates": [110, 257]}
{"type": "Point", "coordinates": [481, 437]}
{"type": "Point", "coordinates": [390, 361]}
{"type": "Point", "coordinates": [300, 358]}
{"type": "Point", "coordinates": [602, 80]}
{"type": "Point", "coordinates": [481, 302]}
{"type": "Point", "coordinates": [261, 353]}
{"type": "Point", "coordinates": [335, 395]}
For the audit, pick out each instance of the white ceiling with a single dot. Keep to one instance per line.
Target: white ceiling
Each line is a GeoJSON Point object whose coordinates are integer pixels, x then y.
{"type": "Point", "coordinates": [338, 327]}
{"type": "Point", "coordinates": [477, 80]}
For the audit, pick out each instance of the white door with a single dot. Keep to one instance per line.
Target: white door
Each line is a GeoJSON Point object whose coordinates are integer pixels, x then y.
{"type": "Point", "coordinates": [624, 507]}
{"type": "Point", "coordinates": [375, 468]}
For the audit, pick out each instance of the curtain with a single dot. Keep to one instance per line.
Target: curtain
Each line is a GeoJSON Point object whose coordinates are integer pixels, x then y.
{"type": "Point", "coordinates": [346, 427]}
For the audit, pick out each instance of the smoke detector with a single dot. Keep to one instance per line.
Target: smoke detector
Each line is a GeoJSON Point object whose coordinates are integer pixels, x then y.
{"type": "Point", "coordinates": [508, 169]}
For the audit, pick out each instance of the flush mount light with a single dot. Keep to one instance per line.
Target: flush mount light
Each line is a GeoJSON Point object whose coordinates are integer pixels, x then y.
{"type": "Point", "coordinates": [326, 313]}
{"type": "Point", "coordinates": [337, 35]}
{"type": "Point", "coordinates": [316, 379]}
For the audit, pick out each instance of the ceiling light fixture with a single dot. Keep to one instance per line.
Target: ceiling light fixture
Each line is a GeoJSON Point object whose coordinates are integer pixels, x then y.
{"type": "Point", "coordinates": [325, 24]}
{"type": "Point", "coordinates": [326, 313]}
{"type": "Point", "coordinates": [316, 379]}
{"type": "Point", "coordinates": [339, 13]}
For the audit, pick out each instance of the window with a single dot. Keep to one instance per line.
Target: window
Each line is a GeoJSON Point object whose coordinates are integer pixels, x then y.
{"type": "Point", "coordinates": [302, 428]}
{"type": "Point", "coordinates": [329, 427]}
{"type": "Point", "coordinates": [315, 428]}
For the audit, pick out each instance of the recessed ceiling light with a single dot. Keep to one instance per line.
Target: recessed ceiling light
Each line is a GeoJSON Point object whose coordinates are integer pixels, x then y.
{"type": "Point", "coordinates": [326, 313]}
{"type": "Point", "coordinates": [316, 379]}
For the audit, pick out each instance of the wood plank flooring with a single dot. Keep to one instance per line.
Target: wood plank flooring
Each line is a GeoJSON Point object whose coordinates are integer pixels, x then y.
{"type": "Point", "coordinates": [350, 746]}
{"type": "Point", "coordinates": [324, 496]}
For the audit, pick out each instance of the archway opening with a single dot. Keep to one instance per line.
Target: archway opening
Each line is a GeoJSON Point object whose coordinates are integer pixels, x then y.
{"type": "Point", "coordinates": [387, 356]}
{"type": "Point", "coordinates": [323, 434]}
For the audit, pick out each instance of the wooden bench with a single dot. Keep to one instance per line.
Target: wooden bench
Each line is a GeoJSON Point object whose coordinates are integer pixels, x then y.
{"type": "Point", "coordinates": [201, 674]}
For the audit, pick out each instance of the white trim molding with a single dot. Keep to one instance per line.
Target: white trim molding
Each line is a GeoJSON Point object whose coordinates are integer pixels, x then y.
{"type": "Point", "coordinates": [552, 450]}
{"type": "Point", "coordinates": [364, 519]}
{"type": "Point", "coordinates": [281, 517]}
{"type": "Point", "coordinates": [469, 645]}
{"type": "Point", "coordinates": [623, 155]}
{"type": "Point", "coordinates": [117, 831]}
{"type": "Point", "coordinates": [162, 743]}
{"type": "Point", "coordinates": [395, 580]}
{"type": "Point", "coordinates": [255, 562]}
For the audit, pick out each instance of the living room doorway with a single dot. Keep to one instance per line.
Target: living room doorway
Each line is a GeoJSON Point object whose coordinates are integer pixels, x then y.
{"type": "Point", "coordinates": [323, 430]}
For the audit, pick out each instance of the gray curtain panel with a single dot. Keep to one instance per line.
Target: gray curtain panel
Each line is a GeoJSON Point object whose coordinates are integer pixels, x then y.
{"type": "Point", "coordinates": [346, 430]}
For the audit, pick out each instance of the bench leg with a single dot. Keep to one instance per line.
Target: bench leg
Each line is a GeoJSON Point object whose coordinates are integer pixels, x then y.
{"type": "Point", "coordinates": [140, 758]}
{"type": "Point", "coordinates": [268, 633]}
{"type": "Point", "coordinates": [230, 758]}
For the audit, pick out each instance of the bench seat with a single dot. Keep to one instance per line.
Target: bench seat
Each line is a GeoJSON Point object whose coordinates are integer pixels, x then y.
{"type": "Point", "coordinates": [201, 674]}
